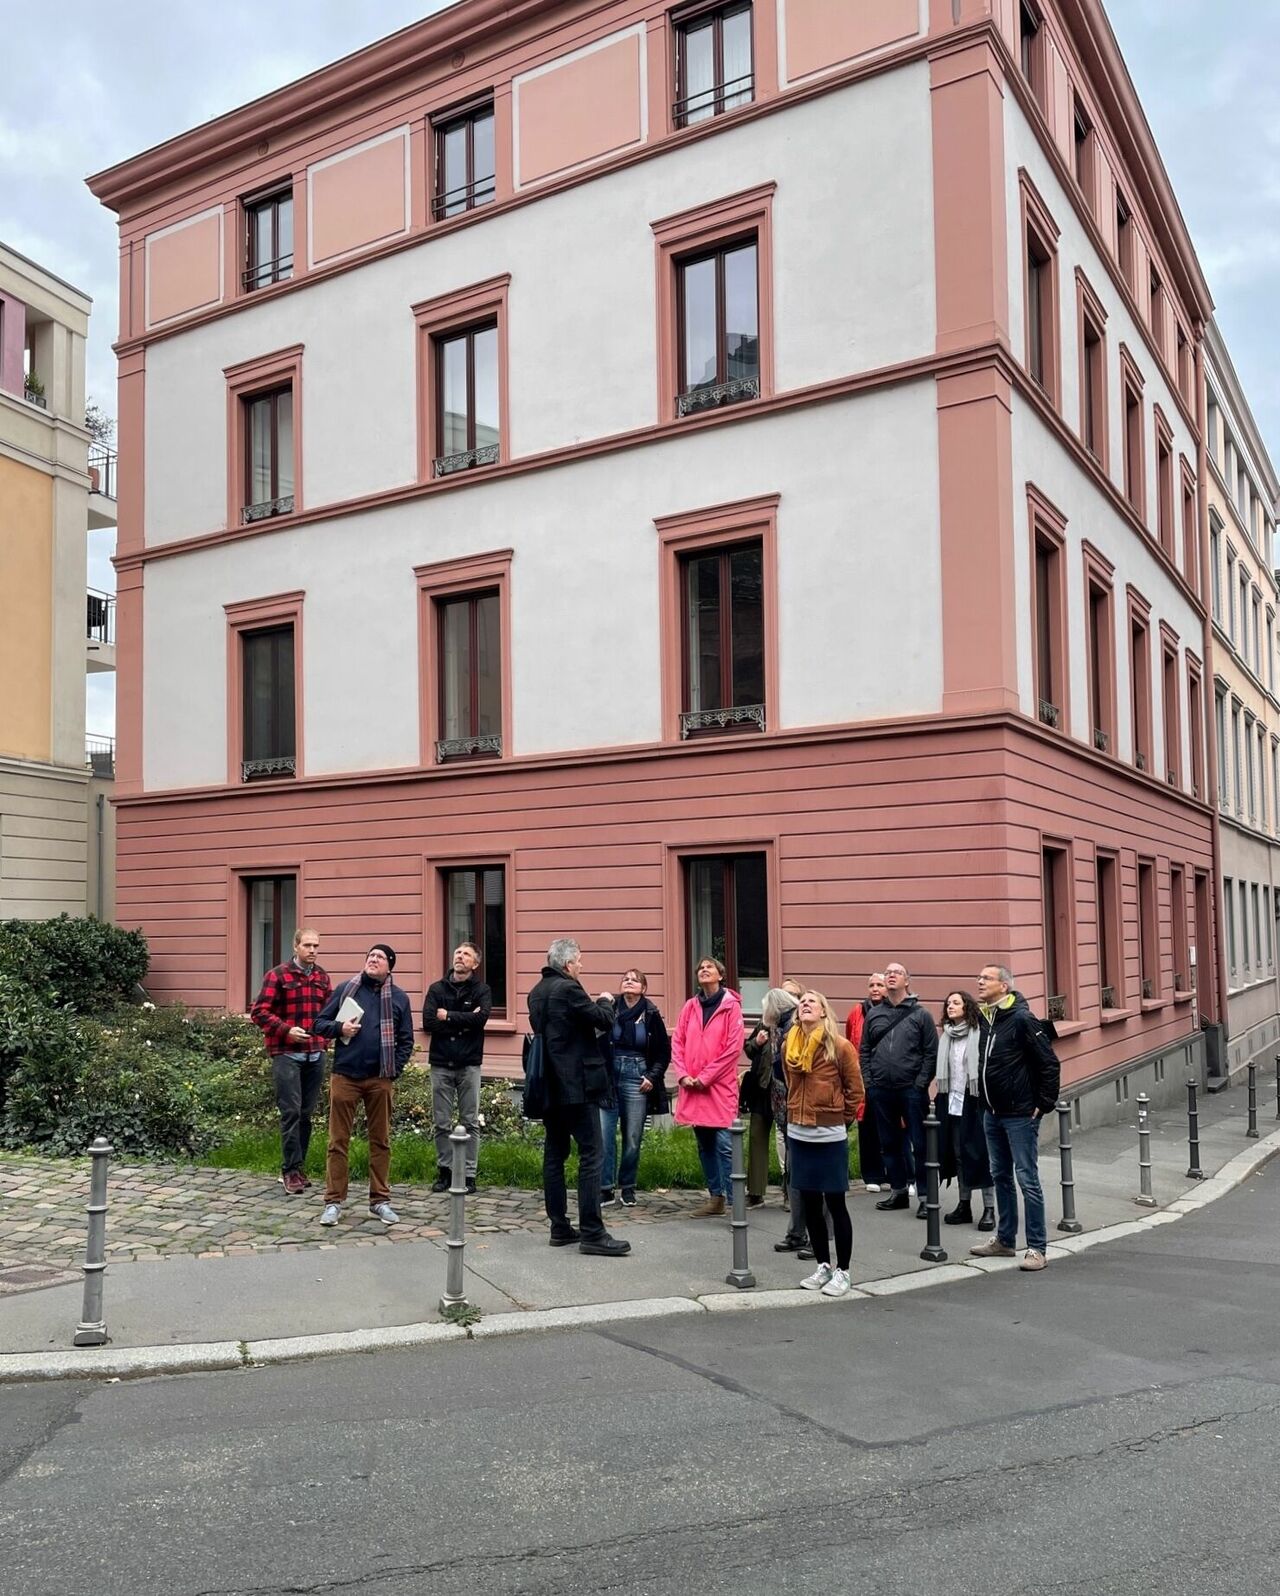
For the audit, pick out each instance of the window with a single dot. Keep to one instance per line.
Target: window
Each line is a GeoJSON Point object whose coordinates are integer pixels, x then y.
{"type": "Point", "coordinates": [715, 304]}
{"type": "Point", "coordinates": [1040, 236]}
{"type": "Point", "coordinates": [1229, 904]}
{"type": "Point", "coordinates": [268, 486]}
{"type": "Point", "coordinates": [467, 427]}
{"type": "Point", "coordinates": [1190, 529]}
{"type": "Point", "coordinates": [1181, 945]}
{"type": "Point", "coordinates": [268, 253]}
{"type": "Point", "coordinates": [469, 674]}
{"type": "Point", "coordinates": [723, 640]}
{"type": "Point", "coordinates": [1212, 433]}
{"type": "Point", "coordinates": [1100, 625]}
{"type": "Point", "coordinates": [1134, 475]}
{"type": "Point", "coordinates": [1172, 708]}
{"type": "Point", "coordinates": [475, 910]}
{"type": "Point", "coordinates": [1242, 640]}
{"type": "Point", "coordinates": [272, 920]}
{"type": "Point", "coordinates": [1055, 870]}
{"type": "Point", "coordinates": [1271, 650]}
{"type": "Point", "coordinates": [1083, 142]}
{"type": "Point", "coordinates": [1091, 321]}
{"type": "Point", "coordinates": [462, 379]}
{"type": "Point", "coordinates": [464, 156]}
{"type": "Point", "coordinates": [1110, 932]}
{"type": "Point", "coordinates": [264, 437]}
{"type": "Point", "coordinates": [1049, 621]}
{"type": "Point", "coordinates": [1266, 926]}
{"type": "Point", "coordinates": [713, 62]}
{"type": "Point", "coordinates": [1220, 730]}
{"type": "Point", "coordinates": [719, 328]}
{"type": "Point", "coordinates": [1156, 307]}
{"type": "Point", "coordinates": [1195, 725]}
{"type": "Point", "coordinates": [1148, 930]}
{"type": "Point", "coordinates": [1262, 777]}
{"type": "Point", "coordinates": [1244, 927]}
{"type": "Point", "coordinates": [1255, 611]}
{"type": "Point", "coordinates": [1275, 784]}
{"type": "Point", "coordinates": [1164, 485]}
{"type": "Point", "coordinates": [1140, 683]}
{"type": "Point", "coordinates": [727, 911]}
{"type": "Point", "coordinates": [1184, 362]}
{"type": "Point", "coordinates": [1231, 593]}
{"type": "Point", "coordinates": [1031, 50]}
{"type": "Point", "coordinates": [1124, 238]}
{"type": "Point", "coordinates": [1237, 767]}
{"type": "Point", "coordinates": [267, 676]}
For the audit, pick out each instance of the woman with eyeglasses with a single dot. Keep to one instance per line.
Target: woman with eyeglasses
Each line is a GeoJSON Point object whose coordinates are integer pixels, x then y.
{"type": "Point", "coordinates": [641, 1052]}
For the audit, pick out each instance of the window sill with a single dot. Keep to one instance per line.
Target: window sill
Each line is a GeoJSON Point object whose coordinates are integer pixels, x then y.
{"type": "Point", "coordinates": [1114, 1016]}
{"type": "Point", "coordinates": [1181, 996]}
{"type": "Point", "coordinates": [1068, 1027]}
{"type": "Point", "coordinates": [1149, 1005]}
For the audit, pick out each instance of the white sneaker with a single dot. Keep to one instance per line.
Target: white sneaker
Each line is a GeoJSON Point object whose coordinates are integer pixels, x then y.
{"type": "Point", "coordinates": [912, 1192]}
{"type": "Point", "coordinates": [871, 1185]}
{"type": "Point", "coordinates": [332, 1214]}
{"type": "Point", "coordinates": [818, 1279]}
{"type": "Point", "coordinates": [838, 1284]}
{"type": "Point", "coordinates": [385, 1212]}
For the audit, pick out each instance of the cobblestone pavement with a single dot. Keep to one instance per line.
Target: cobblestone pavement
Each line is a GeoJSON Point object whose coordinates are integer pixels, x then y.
{"type": "Point", "coordinates": [161, 1210]}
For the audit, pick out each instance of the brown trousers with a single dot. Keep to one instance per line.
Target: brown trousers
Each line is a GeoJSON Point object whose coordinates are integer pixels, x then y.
{"type": "Point", "coordinates": [345, 1096]}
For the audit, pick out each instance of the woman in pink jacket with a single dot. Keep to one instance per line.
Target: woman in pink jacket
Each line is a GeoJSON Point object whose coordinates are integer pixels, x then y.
{"type": "Point", "coordinates": [705, 1049]}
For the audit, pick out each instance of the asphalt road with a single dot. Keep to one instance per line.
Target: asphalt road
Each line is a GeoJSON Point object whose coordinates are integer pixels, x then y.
{"type": "Point", "coordinates": [1108, 1427]}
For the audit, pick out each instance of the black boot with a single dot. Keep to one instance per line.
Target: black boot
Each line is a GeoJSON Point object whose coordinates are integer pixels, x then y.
{"type": "Point", "coordinates": [961, 1214]}
{"type": "Point", "coordinates": [988, 1220]}
{"type": "Point", "coordinates": [897, 1199]}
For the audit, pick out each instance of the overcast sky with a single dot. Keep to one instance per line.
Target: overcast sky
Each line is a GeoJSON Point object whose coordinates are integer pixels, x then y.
{"type": "Point", "coordinates": [90, 84]}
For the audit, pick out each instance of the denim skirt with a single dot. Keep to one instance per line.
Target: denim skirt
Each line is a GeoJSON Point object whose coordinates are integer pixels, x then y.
{"type": "Point", "coordinates": [819, 1166]}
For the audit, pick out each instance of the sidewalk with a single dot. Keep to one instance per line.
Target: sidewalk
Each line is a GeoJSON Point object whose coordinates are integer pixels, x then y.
{"type": "Point", "coordinates": [219, 1258]}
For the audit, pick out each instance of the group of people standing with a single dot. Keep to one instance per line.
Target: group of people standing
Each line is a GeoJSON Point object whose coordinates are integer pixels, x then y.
{"type": "Point", "coordinates": [987, 1066]}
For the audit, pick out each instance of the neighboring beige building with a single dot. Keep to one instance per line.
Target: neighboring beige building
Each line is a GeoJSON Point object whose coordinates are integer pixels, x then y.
{"type": "Point", "coordinates": [1242, 492]}
{"type": "Point", "coordinates": [56, 827]}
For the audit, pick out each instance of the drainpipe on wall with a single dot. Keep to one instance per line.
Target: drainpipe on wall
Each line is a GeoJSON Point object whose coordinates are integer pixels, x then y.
{"type": "Point", "coordinates": [101, 803]}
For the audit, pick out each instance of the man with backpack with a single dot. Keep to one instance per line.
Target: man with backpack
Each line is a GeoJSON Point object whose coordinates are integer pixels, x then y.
{"type": "Point", "coordinates": [899, 1055]}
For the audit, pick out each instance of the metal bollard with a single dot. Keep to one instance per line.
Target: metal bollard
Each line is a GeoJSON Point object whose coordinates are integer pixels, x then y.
{"type": "Point", "coordinates": [1068, 1222]}
{"type": "Point", "coordinates": [933, 1251]}
{"type": "Point", "coordinates": [92, 1329]}
{"type": "Point", "coordinates": [454, 1295]}
{"type": "Point", "coordinates": [1144, 1198]}
{"type": "Point", "coordinates": [1252, 1132]}
{"type": "Point", "coordinates": [1194, 1172]}
{"type": "Point", "coordinates": [740, 1275]}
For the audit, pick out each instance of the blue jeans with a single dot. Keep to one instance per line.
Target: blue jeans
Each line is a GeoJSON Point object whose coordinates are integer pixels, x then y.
{"type": "Point", "coordinates": [715, 1149]}
{"type": "Point", "coordinates": [1013, 1144]}
{"type": "Point", "coordinates": [631, 1109]}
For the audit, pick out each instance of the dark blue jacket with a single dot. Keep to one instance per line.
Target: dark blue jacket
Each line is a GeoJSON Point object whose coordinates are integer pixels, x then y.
{"type": "Point", "coordinates": [361, 1057]}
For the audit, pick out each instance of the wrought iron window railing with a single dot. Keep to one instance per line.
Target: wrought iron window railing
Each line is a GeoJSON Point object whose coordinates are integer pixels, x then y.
{"type": "Point", "coordinates": [695, 400]}
{"type": "Point", "coordinates": [450, 748]}
{"type": "Point", "coordinates": [261, 769]}
{"type": "Point", "coordinates": [446, 464]}
{"type": "Point", "coordinates": [693, 721]}
{"type": "Point", "coordinates": [269, 507]}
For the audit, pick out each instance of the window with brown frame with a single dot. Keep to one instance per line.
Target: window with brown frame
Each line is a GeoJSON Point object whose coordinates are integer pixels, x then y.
{"type": "Point", "coordinates": [469, 672]}
{"type": "Point", "coordinates": [1055, 872]}
{"type": "Point", "coordinates": [1148, 930]}
{"type": "Point", "coordinates": [268, 463]}
{"type": "Point", "coordinates": [1110, 932]}
{"type": "Point", "coordinates": [714, 61]}
{"type": "Point", "coordinates": [1157, 310]}
{"type": "Point", "coordinates": [268, 719]}
{"type": "Point", "coordinates": [268, 230]}
{"type": "Point", "coordinates": [1050, 649]}
{"type": "Point", "coordinates": [272, 918]}
{"type": "Point", "coordinates": [1190, 530]}
{"type": "Point", "coordinates": [1124, 238]}
{"type": "Point", "coordinates": [1102, 665]}
{"type": "Point", "coordinates": [1093, 382]}
{"type": "Point", "coordinates": [1171, 705]}
{"type": "Point", "coordinates": [723, 640]}
{"type": "Point", "coordinates": [464, 159]}
{"type": "Point", "coordinates": [1184, 365]}
{"type": "Point", "coordinates": [1031, 49]}
{"type": "Point", "coordinates": [1134, 473]}
{"type": "Point", "coordinates": [1083, 152]}
{"type": "Point", "coordinates": [475, 910]}
{"type": "Point", "coordinates": [1195, 727]}
{"type": "Point", "coordinates": [1178, 916]}
{"type": "Point", "coordinates": [1140, 688]}
{"type": "Point", "coordinates": [727, 918]}
{"type": "Point", "coordinates": [1164, 488]}
{"type": "Point", "coordinates": [1041, 328]}
{"type": "Point", "coordinates": [468, 431]}
{"type": "Point", "coordinates": [718, 327]}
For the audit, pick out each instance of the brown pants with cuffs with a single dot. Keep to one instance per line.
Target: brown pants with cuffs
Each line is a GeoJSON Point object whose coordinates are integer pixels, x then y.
{"type": "Point", "coordinates": [345, 1097]}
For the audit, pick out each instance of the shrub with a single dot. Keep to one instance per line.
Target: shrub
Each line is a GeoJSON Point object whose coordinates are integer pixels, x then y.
{"type": "Point", "coordinates": [84, 963]}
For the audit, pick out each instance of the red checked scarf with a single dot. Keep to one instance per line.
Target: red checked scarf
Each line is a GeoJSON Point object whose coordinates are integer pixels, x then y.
{"type": "Point", "coordinates": [387, 1027]}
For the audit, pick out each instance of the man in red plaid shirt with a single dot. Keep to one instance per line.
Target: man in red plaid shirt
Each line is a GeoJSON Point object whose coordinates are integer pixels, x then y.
{"type": "Point", "coordinates": [292, 996]}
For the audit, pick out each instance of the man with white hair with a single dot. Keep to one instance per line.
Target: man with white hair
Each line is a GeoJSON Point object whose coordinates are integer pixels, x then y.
{"type": "Point", "coordinates": [579, 1082]}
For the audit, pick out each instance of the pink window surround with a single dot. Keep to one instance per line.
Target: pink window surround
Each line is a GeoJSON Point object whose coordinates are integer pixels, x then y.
{"type": "Point", "coordinates": [451, 579]}
{"type": "Point", "coordinates": [1099, 577]}
{"type": "Point", "coordinates": [702, 228]}
{"type": "Point", "coordinates": [695, 531]}
{"type": "Point", "coordinates": [1134, 434]}
{"type": "Point", "coordinates": [253, 615]}
{"type": "Point", "coordinates": [1048, 525]}
{"type": "Point", "coordinates": [238, 997]}
{"type": "Point", "coordinates": [1195, 723]}
{"type": "Point", "coordinates": [500, 854]}
{"type": "Point", "coordinates": [677, 955]}
{"type": "Point", "coordinates": [452, 313]}
{"type": "Point", "coordinates": [1041, 231]}
{"type": "Point", "coordinates": [1091, 314]}
{"type": "Point", "coordinates": [1190, 525]}
{"type": "Point", "coordinates": [1166, 531]}
{"type": "Point", "coordinates": [282, 368]}
{"type": "Point", "coordinates": [1171, 704]}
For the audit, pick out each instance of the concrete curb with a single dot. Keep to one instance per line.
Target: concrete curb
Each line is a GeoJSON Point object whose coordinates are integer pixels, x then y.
{"type": "Point", "coordinates": [105, 1363]}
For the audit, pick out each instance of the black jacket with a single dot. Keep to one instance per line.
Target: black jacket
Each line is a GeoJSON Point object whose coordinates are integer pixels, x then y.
{"type": "Point", "coordinates": [897, 1053]}
{"type": "Point", "coordinates": [657, 1056]}
{"type": "Point", "coordinates": [1018, 1071]}
{"type": "Point", "coordinates": [459, 1040]}
{"type": "Point", "coordinates": [361, 1057]}
{"type": "Point", "coordinates": [574, 1032]}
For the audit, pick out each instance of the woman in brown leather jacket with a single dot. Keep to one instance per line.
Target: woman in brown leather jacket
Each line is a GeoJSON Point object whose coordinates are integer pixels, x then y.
{"type": "Point", "coordinates": [824, 1094]}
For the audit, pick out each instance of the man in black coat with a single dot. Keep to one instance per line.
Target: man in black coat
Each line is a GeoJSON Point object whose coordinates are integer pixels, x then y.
{"type": "Point", "coordinates": [899, 1056]}
{"type": "Point", "coordinates": [578, 1083]}
{"type": "Point", "coordinates": [455, 1012]}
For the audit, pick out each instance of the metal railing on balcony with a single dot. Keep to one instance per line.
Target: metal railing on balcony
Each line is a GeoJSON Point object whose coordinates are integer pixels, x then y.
{"type": "Point", "coordinates": [102, 470]}
{"type": "Point", "coordinates": [100, 617]}
{"type": "Point", "coordinates": [100, 756]}
{"type": "Point", "coordinates": [695, 721]}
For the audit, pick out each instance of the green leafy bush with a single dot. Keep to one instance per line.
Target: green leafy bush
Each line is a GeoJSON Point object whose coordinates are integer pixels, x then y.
{"type": "Point", "coordinates": [83, 962]}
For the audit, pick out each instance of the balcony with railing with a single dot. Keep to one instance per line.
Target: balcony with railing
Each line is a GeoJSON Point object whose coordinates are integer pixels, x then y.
{"type": "Point", "coordinates": [100, 756]}
{"type": "Point", "coordinates": [100, 631]}
{"type": "Point", "coordinates": [102, 486]}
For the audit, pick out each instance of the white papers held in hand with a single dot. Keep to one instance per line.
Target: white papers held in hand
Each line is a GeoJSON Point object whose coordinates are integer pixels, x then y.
{"type": "Point", "coordinates": [349, 1009]}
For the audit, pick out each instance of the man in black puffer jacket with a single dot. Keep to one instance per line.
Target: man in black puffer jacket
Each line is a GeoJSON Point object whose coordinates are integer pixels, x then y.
{"type": "Point", "coordinates": [899, 1056]}
{"type": "Point", "coordinates": [1018, 1078]}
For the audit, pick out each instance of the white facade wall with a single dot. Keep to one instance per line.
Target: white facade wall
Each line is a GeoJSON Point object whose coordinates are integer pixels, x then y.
{"type": "Point", "coordinates": [854, 290]}
{"type": "Point", "coordinates": [858, 481]}
{"type": "Point", "coordinates": [1039, 458]}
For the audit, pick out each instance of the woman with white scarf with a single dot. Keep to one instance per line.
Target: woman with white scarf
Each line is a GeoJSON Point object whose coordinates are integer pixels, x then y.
{"type": "Point", "coordinates": [955, 1088]}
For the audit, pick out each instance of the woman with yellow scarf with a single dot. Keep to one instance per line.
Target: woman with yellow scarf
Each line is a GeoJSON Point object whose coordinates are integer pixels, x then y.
{"type": "Point", "coordinates": [824, 1094]}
